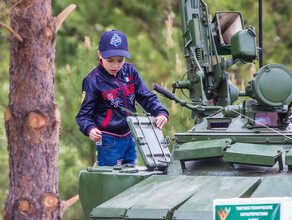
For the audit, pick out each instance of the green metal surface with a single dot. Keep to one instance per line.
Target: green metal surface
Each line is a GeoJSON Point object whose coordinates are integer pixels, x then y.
{"type": "Point", "coordinates": [243, 44]}
{"type": "Point", "coordinates": [130, 197]}
{"type": "Point", "coordinates": [161, 201]}
{"type": "Point", "coordinates": [152, 145]}
{"type": "Point", "coordinates": [256, 136]}
{"type": "Point", "coordinates": [192, 196]}
{"type": "Point", "coordinates": [252, 154]}
{"type": "Point", "coordinates": [201, 149]}
{"type": "Point", "coordinates": [103, 184]}
{"type": "Point", "coordinates": [199, 206]}
{"type": "Point", "coordinates": [108, 213]}
{"type": "Point", "coordinates": [280, 93]}
{"type": "Point", "coordinates": [274, 186]}
{"type": "Point", "coordinates": [288, 159]}
{"type": "Point", "coordinates": [151, 194]}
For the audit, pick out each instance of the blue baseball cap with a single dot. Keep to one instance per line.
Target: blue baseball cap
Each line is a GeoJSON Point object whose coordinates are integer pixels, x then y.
{"type": "Point", "coordinates": [113, 43]}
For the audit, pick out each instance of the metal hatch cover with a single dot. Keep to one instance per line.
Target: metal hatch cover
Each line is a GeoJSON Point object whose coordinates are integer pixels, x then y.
{"type": "Point", "coordinates": [174, 197]}
{"type": "Point", "coordinates": [152, 145]}
{"type": "Point", "coordinates": [199, 206]}
{"type": "Point", "coordinates": [257, 154]}
{"type": "Point", "coordinates": [201, 149]}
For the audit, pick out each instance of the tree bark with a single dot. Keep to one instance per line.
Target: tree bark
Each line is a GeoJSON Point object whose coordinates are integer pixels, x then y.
{"type": "Point", "coordinates": [32, 118]}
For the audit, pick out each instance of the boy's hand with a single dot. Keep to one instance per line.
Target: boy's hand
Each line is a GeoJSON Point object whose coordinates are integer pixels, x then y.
{"type": "Point", "coordinates": [95, 134]}
{"type": "Point", "coordinates": [161, 121]}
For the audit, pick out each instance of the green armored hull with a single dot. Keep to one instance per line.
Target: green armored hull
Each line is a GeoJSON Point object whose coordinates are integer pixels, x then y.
{"type": "Point", "coordinates": [204, 166]}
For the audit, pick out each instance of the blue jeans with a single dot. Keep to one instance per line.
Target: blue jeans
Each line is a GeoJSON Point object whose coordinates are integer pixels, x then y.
{"type": "Point", "coordinates": [115, 150]}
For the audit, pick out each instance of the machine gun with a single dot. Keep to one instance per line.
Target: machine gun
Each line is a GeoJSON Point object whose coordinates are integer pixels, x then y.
{"type": "Point", "coordinates": [205, 44]}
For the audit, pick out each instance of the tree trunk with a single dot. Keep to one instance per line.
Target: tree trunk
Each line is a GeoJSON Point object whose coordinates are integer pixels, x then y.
{"type": "Point", "coordinates": [32, 118]}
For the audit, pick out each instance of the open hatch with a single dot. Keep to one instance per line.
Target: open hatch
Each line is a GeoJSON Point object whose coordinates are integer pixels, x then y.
{"type": "Point", "coordinates": [153, 146]}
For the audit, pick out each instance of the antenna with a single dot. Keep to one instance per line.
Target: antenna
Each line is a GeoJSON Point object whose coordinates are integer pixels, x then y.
{"type": "Point", "coordinates": [261, 33]}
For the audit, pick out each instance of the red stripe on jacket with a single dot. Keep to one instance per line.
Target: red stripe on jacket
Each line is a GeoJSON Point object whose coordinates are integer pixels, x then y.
{"type": "Point", "coordinates": [107, 118]}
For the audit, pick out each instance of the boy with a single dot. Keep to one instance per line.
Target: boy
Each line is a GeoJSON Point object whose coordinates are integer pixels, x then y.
{"type": "Point", "coordinates": [111, 85]}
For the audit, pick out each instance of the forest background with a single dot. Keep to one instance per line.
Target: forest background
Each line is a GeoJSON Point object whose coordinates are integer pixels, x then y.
{"type": "Point", "coordinates": [155, 41]}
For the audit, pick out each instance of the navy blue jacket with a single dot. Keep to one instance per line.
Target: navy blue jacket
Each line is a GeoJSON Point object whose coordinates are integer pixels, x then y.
{"type": "Point", "coordinates": [104, 94]}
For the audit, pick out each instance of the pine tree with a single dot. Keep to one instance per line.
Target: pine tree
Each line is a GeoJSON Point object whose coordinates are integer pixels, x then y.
{"type": "Point", "coordinates": [32, 118]}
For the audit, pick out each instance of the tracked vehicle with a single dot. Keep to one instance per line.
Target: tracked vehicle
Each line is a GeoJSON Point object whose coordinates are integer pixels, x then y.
{"type": "Point", "coordinates": [235, 163]}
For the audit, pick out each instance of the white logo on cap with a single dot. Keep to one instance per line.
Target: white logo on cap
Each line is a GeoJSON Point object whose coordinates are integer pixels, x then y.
{"type": "Point", "coordinates": [116, 40]}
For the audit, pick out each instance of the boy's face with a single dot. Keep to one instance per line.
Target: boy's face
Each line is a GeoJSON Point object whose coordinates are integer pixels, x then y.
{"type": "Point", "coordinates": [112, 64]}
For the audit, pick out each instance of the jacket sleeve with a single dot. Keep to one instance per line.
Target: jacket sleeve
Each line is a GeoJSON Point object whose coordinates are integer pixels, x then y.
{"type": "Point", "coordinates": [146, 98]}
{"type": "Point", "coordinates": [84, 117]}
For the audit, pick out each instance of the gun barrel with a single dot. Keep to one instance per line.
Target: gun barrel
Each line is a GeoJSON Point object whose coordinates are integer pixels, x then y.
{"type": "Point", "coordinates": [171, 96]}
{"type": "Point", "coordinates": [242, 93]}
{"type": "Point", "coordinates": [163, 91]}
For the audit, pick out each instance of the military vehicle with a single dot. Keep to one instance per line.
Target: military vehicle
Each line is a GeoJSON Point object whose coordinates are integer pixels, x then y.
{"type": "Point", "coordinates": [234, 153]}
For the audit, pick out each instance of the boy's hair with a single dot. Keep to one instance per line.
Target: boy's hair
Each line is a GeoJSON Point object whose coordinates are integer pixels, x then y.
{"type": "Point", "coordinates": [113, 43]}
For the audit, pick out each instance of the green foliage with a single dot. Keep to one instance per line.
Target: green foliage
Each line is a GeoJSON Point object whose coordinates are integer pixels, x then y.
{"type": "Point", "coordinates": [153, 55]}
{"type": "Point", "coordinates": [4, 185]}
{"type": "Point", "coordinates": [4, 88]}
